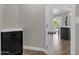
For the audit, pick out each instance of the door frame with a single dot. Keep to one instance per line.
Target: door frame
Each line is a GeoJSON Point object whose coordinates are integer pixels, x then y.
{"type": "Point", "coordinates": [72, 21]}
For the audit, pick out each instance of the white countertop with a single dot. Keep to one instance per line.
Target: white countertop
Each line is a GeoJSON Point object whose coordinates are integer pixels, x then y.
{"type": "Point", "coordinates": [11, 29]}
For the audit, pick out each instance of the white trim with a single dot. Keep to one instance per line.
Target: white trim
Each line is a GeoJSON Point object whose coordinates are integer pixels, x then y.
{"type": "Point", "coordinates": [35, 48]}
{"type": "Point", "coordinates": [77, 20]}
{"type": "Point", "coordinates": [73, 40]}
{"type": "Point", "coordinates": [11, 29]}
{"type": "Point", "coordinates": [46, 43]}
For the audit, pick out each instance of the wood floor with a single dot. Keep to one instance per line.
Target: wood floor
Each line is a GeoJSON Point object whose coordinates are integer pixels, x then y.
{"type": "Point", "coordinates": [65, 49]}
{"type": "Point", "coordinates": [32, 52]}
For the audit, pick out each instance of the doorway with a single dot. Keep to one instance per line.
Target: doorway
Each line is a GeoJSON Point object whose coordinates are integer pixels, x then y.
{"type": "Point", "coordinates": [58, 29]}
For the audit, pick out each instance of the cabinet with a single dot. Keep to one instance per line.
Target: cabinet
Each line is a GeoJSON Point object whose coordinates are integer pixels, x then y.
{"type": "Point", "coordinates": [65, 33]}
{"type": "Point", "coordinates": [12, 43]}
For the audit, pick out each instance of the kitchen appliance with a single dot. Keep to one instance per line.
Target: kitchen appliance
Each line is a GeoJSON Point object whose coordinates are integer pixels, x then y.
{"type": "Point", "coordinates": [12, 41]}
{"type": "Point", "coordinates": [65, 33]}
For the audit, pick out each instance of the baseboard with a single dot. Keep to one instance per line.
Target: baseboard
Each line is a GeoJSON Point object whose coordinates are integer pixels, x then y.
{"type": "Point", "coordinates": [34, 48]}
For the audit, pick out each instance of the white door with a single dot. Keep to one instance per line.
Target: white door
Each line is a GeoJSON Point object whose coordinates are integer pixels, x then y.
{"type": "Point", "coordinates": [53, 41]}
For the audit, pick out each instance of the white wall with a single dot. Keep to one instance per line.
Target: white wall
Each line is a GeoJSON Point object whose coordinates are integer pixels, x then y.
{"type": "Point", "coordinates": [30, 17]}
{"type": "Point", "coordinates": [77, 39]}
{"type": "Point", "coordinates": [32, 20]}
{"type": "Point", "coordinates": [77, 28]}
{"type": "Point", "coordinates": [77, 10]}
{"type": "Point", "coordinates": [10, 16]}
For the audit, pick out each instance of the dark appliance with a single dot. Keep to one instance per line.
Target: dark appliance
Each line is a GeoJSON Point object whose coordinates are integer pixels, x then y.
{"type": "Point", "coordinates": [12, 42]}
{"type": "Point", "coordinates": [65, 33]}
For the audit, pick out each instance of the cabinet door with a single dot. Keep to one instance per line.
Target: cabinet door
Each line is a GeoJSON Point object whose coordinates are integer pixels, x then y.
{"type": "Point", "coordinates": [11, 41]}
{"type": "Point", "coordinates": [65, 33]}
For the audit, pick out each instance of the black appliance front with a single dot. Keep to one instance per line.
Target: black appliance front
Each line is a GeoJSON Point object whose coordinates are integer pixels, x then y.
{"type": "Point", "coordinates": [65, 33]}
{"type": "Point", "coordinates": [12, 43]}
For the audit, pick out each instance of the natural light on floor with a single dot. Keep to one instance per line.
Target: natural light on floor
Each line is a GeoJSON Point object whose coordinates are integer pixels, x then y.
{"type": "Point", "coordinates": [56, 40]}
